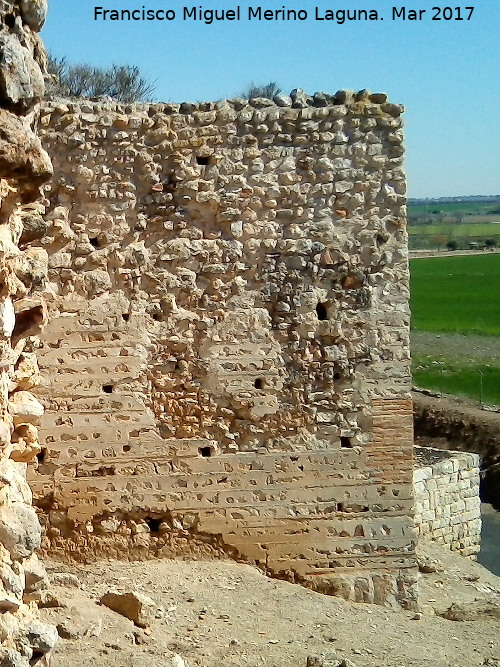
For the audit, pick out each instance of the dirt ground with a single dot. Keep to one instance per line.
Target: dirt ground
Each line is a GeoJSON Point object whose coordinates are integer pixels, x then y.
{"type": "Point", "coordinates": [414, 254]}
{"type": "Point", "coordinates": [215, 614]}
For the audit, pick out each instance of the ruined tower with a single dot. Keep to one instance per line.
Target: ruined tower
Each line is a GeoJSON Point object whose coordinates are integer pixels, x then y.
{"type": "Point", "coordinates": [227, 363]}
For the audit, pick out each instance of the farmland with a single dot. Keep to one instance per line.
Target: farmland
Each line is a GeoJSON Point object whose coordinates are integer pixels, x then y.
{"type": "Point", "coordinates": [463, 207]}
{"type": "Point", "coordinates": [433, 225]}
{"type": "Point", "coordinates": [456, 325]}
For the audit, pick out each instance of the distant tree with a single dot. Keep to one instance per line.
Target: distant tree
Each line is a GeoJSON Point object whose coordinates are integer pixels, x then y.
{"type": "Point", "coordinates": [268, 90]}
{"type": "Point", "coordinates": [121, 82]}
{"type": "Point", "coordinates": [490, 243]}
{"type": "Point", "coordinates": [418, 218]}
{"type": "Point", "coordinates": [439, 240]}
{"type": "Point", "coordinates": [452, 245]}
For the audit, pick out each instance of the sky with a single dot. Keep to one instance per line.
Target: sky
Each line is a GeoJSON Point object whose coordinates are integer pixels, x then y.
{"type": "Point", "coordinates": [445, 72]}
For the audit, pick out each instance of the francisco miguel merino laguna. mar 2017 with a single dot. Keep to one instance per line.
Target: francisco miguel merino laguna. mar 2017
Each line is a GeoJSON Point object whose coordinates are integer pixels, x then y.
{"type": "Point", "coordinates": [258, 13]}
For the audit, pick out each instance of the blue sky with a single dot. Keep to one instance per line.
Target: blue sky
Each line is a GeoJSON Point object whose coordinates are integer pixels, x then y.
{"type": "Point", "coordinates": [446, 73]}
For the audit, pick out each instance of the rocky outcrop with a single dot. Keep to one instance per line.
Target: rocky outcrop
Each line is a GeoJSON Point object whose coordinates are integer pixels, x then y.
{"type": "Point", "coordinates": [24, 166]}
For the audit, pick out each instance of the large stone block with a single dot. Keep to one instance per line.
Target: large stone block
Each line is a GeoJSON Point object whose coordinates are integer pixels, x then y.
{"type": "Point", "coordinates": [20, 531]}
{"type": "Point", "coordinates": [34, 13]}
{"type": "Point", "coordinates": [21, 80]}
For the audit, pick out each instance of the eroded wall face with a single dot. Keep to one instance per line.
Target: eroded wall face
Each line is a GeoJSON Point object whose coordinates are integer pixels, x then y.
{"type": "Point", "coordinates": [227, 364]}
{"type": "Point", "coordinates": [24, 166]}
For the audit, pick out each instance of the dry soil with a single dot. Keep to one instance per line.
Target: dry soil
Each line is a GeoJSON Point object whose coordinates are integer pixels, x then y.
{"type": "Point", "coordinates": [216, 614]}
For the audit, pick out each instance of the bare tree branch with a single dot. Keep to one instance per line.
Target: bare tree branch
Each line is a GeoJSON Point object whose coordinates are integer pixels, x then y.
{"type": "Point", "coordinates": [121, 82]}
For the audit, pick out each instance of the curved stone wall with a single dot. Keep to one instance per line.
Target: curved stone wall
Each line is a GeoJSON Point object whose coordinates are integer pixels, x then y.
{"type": "Point", "coordinates": [447, 503]}
{"type": "Point", "coordinates": [464, 426]}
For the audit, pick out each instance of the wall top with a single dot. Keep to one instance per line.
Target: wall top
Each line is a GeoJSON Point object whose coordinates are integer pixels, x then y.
{"type": "Point", "coordinates": [298, 99]}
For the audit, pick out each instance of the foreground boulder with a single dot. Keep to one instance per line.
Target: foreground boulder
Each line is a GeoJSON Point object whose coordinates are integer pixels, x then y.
{"type": "Point", "coordinates": [135, 606]}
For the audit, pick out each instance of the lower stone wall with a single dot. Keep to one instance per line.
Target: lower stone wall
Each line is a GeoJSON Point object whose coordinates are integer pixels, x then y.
{"type": "Point", "coordinates": [278, 510]}
{"type": "Point", "coordinates": [461, 425]}
{"type": "Point", "coordinates": [447, 502]}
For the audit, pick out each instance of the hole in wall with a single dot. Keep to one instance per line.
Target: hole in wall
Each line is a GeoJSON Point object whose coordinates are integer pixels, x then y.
{"type": "Point", "coordinates": [203, 160]}
{"type": "Point", "coordinates": [170, 184]}
{"type": "Point", "coordinates": [10, 20]}
{"type": "Point", "coordinates": [321, 311]}
{"type": "Point", "coordinates": [94, 241]}
{"type": "Point", "coordinates": [127, 448]}
{"type": "Point", "coordinates": [107, 388]}
{"type": "Point", "coordinates": [156, 317]}
{"type": "Point", "coordinates": [125, 317]}
{"type": "Point", "coordinates": [342, 507]}
{"type": "Point", "coordinates": [259, 383]}
{"type": "Point", "coordinates": [26, 320]}
{"type": "Point", "coordinates": [102, 471]}
{"type": "Point", "coordinates": [154, 524]}
{"type": "Point", "coordinates": [36, 658]}
{"type": "Point", "coordinates": [41, 456]}
{"type": "Point", "coordinates": [206, 451]}
{"type": "Point", "coordinates": [345, 442]}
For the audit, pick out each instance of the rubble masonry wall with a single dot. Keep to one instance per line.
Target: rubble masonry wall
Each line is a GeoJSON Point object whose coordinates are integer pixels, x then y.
{"type": "Point", "coordinates": [227, 363]}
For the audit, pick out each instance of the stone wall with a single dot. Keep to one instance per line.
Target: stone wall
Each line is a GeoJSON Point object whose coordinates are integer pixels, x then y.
{"type": "Point", "coordinates": [24, 166]}
{"type": "Point", "coordinates": [447, 503]}
{"type": "Point", "coordinates": [463, 425]}
{"type": "Point", "coordinates": [227, 365]}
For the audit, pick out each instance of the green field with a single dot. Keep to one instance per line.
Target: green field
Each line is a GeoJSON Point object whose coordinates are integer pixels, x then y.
{"type": "Point", "coordinates": [456, 300]}
{"type": "Point", "coordinates": [438, 234]}
{"type": "Point", "coordinates": [434, 225]}
{"type": "Point", "coordinates": [456, 231]}
{"type": "Point", "coordinates": [445, 375]}
{"type": "Point", "coordinates": [456, 294]}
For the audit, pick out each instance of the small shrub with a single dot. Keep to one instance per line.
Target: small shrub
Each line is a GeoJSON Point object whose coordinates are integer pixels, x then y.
{"type": "Point", "coordinates": [268, 90]}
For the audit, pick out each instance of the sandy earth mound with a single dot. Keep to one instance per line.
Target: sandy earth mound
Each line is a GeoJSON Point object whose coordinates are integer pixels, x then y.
{"type": "Point", "coordinates": [222, 613]}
